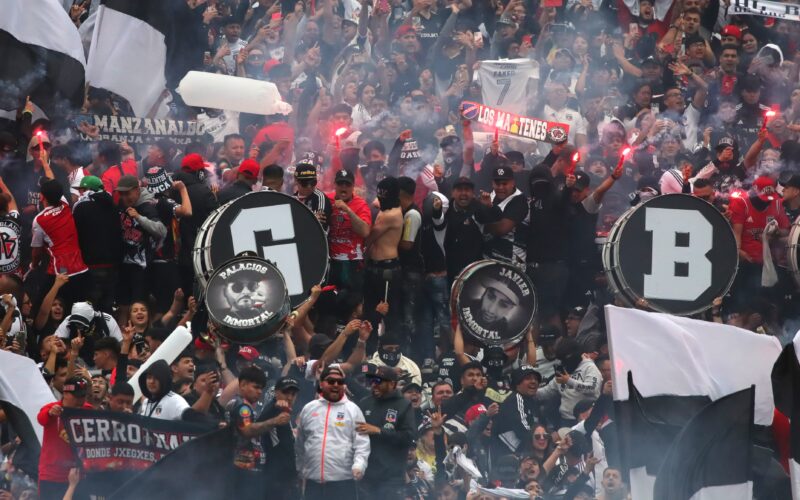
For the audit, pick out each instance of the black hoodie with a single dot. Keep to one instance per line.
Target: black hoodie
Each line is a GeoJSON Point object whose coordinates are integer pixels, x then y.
{"type": "Point", "coordinates": [547, 238]}
{"type": "Point", "coordinates": [203, 203]}
{"type": "Point", "coordinates": [99, 231]}
{"type": "Point", "coordinates": [165, 404]}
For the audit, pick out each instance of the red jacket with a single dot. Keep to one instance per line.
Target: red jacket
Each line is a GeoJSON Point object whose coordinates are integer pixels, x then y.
{"type": "Point", "coordinates": [111, 176]}
{"type": "Point", "coordinates": [56, 457]}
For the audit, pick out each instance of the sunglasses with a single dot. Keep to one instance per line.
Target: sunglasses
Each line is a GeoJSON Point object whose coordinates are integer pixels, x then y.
{"type": "Point", "coordinates": [374, 380]}
{"type": "Point", "coordinates": [37, 148]}
{"type": "Point", "coordinates": [307, 183]}
{"type": "Point", "coordinates": [540, 436]}
{"type": "Point", "coordinates": [239, 286]}
{"type": "Point", "coordinates": [334, 381]}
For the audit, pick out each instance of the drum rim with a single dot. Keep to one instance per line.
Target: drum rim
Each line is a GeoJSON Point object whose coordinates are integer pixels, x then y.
{"type": "Point", "coordinates": [725, 289]}
{"type": "Point", "coordinates": [609, 252]}
{"type": "Point", "coordinates": [793, 243]}
{"type": "Point", "coordinates": [471, 269]}
{"type": "Point", "coordinates": [282, 313]}
{"type": "Point", "coordinates": [198, 250]}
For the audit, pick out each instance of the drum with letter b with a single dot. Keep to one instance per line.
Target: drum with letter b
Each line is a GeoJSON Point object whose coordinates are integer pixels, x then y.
{"type": "Point", "coordinates": [676, 252]}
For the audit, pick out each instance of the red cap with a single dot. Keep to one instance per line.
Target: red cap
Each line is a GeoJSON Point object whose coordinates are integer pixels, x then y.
{"type": "Point", "coordinates": [765, 188]}
{"type": "Point", "coordinates": [731, 30]}
{"type": "Point", "coordinates": [201, 345]}
{"type": "Point", "coordinates": [249, 168]}
{"type": "Point", "coordinates": [403, 30]}
{"type": "Point", "coordinates": [271, 63]}
{"type": "Point", "coordinates": [248, 353]}
{"type": "Point", "coordinates": [193, 163]}
{"type": "Point", "coordinates": [473, 413]}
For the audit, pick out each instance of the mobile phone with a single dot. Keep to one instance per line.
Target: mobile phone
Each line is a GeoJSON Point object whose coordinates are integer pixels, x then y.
{"type": "Point", "coordinates": [559, 368]}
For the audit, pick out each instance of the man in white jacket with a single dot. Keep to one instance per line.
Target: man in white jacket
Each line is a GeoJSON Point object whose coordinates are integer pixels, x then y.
{"type": "Point", "coordinates": [331, 454]}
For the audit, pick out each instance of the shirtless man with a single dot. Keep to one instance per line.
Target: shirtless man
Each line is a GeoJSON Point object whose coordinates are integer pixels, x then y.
{"type": "Point", "coordinates": [382, 280]}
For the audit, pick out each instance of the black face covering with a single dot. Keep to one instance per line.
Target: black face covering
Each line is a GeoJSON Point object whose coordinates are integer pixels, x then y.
{"type": "Point", "coordinates": [390, 358]}
{"type": "Point", "coordinates": [388, 193]}
{"type": "Point", "coordinates": [758, 203]}
{"type": "Point", "coordinates": [452, 164]}
{"type": "Point", "coordinates": [571, 362]}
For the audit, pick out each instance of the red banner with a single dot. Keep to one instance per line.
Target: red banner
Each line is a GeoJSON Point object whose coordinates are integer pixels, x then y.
{"type": "Point", "coordinates": [513, 124]}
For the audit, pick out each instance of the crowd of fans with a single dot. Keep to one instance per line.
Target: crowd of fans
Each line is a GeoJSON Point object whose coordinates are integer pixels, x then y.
{"type": "Point", "coordinates": [371, 390]}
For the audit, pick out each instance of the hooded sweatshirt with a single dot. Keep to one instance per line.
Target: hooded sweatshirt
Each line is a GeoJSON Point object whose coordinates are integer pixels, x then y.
{"type": "Point", "coordinates": [584, 382]}
{"type": "Point", "coordinates": [165, 404]}
{"type": "Point", "coordinates": [99, 233]}
{"type": "Point", "coordinates": [141, 236]}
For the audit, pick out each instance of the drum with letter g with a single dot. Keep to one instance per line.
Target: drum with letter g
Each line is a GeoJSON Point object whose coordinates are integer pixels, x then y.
{"type": "Point", "coordinates": [676, 252]}
{"type": "Point", "coordinates": [277, 227]}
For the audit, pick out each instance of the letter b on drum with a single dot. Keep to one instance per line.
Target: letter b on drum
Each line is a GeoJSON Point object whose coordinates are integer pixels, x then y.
{"type": "Point", "coordinates": [680, 269]}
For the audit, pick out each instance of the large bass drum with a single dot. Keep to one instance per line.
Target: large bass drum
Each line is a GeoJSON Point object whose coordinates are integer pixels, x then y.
{"type": "Point", "coordinates": [793, 251]}
{"type": "Point", "coordinates": [495, 302]}
{"type": "Point", "coordinates": [246, 297]}
{"type": "Point", "coordinates": [277, 227]}
{"type": "Point", "coordinates": [675, 252]}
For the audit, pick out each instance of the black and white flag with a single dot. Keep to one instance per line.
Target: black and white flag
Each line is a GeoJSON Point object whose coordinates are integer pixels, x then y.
{"type": "Point", "coordinates": [676, 360]}
{"type": "Point", "coordinates": [137, 46]}
{"type": "Point", "coordinates": [41, 56]}
{"type": "Point", "coordinates": [786, 388]}
{"type": "Point", "coordinates": [711, 458]}
{"type": "Point", "coordinates": [23, 392]}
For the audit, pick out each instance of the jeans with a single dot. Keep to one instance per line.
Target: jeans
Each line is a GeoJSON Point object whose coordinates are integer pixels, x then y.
{"type": "Point", "coordinates": [377, 274]}
{"type": "Point", "coordinates": [412, 292]}
{"type": "Point", "coordinates": [339, 490]}
{"type": "Point", "coordinates": [434, 315]}
{"type": "Point", "coordinates": [104, 284]}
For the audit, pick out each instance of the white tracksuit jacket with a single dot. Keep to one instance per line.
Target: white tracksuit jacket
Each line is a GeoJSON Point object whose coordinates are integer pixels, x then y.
{"type": "Point", "coordinates": [327, 445]}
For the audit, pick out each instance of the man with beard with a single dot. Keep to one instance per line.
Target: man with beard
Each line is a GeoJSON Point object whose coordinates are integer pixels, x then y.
{"type": "Point", "coordinates": [463, 225]}
{"type": "Point", "coordinates": [725, 171]}
{"type": "Point", "coordinates": [331, 454]}
{"type": "Point", "coordinates": [490, 312]}
{"type": "Point", "coordinates": [305, 179]}
{"type": "Point", "coordinates": [382, 273]}
{"type": "Point", "coordinates": [245, 294]}
{"type": "Point", "coordinates": [390, 425]}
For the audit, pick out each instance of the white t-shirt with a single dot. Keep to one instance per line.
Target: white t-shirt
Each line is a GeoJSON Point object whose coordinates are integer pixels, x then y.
{"type": "Point", "coordinates": [576, 122]}
{"type": "Point", "coordinates": [504, 83]}
{"type": "Point", "coordinates": [170, 407]}
{"type": "Point", "coordinates": [412, 221]}
{"type": "Point", "coordinates": [225, 123]}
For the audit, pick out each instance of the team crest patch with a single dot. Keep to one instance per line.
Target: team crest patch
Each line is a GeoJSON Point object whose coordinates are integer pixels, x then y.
{"type": "Point", "coordinates": [340, 415]}
{"type": "Point", "coordinates": [391, 416]}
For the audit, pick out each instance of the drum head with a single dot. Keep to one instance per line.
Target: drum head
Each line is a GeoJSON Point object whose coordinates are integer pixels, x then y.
{"type": "Point", "coordinates": [677, 252]}
{"type": "Point", "coordinates": [278, 228]}
{"type": "Point", "coordinates": [495, 302]}
{"type": "Point", "coordinates": [247, 298]}
{"type": "Point", "coordinates": [201, 263]}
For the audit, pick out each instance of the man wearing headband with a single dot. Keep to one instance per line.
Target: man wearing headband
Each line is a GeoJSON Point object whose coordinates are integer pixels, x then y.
{"type": "Point", "coordinates": [497, 302]}
{"type": "Point", "coordinates": [331, 455]}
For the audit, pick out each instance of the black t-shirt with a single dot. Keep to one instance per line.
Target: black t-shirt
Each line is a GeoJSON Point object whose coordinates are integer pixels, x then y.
{"type": "Point", "coordinates": [511, 246]}
{"type": "Point", "coordinates": [428, 28]}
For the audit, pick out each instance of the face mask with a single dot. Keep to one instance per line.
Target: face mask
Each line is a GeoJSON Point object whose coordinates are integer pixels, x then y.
{"type": "Point", "coordinates": [390, 358]}
{"type": "Point", "coordinates": [375, 165]}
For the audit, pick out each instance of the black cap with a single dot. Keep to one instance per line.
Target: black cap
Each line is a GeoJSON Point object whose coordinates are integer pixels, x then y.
{"type": "Point", "coordinates": [650, 61]}
{"type": "Point", "coordinates": [77, 386]}
{"type": "Point", "coordinates": [726, 141]}
{"type": "Point", "coordinates": [464, 182]}
{"type": "Point", "coordinates": [285, 383]}
{"type": "Point", "coordinates": [577, 311]}
{"type": "Point", "coordinates": [524, 371]}
{"type": "Point", "coordinates": [413, 386]}
{"type": "Point", "coordinates": [549, 334]}
{"type": "Point", "coordinates": [582, 406]}
{"type": "Point", "coordinates": [345, 176]}
{"type": "Point", "coordinates": [582, 180]}
{"type": "Point", "coordinates": [792, 182]}
{"type": "Point", "coordinates": [382, 372]}
{"type": "Point", "coordinates": [503, 173]}
{"type": "Point", "coordinates": [692, 39]}
{"type": "Point", "coordinates": [305, 170]}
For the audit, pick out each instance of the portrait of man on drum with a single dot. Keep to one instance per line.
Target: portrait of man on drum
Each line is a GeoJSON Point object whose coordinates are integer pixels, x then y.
{"type": "Point", "coordinates": [242, 296]}
{"type": "Point", "coordinates": [492, 308]}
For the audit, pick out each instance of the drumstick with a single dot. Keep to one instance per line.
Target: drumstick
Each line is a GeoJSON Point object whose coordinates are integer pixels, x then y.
{"type": "Point", "coordinates": [386, 292]}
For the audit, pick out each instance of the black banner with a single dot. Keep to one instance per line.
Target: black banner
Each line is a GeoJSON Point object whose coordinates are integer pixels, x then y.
{"type": "Point", "coordinates": [113, 447]}
{"type": "Point", "coordinates": [136, 130]}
